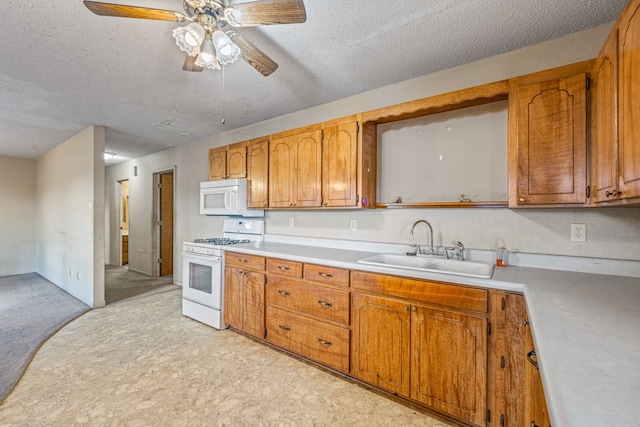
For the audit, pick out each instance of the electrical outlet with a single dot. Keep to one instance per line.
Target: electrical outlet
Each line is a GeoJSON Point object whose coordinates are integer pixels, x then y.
{"type": "Point", "coordinates": [70, 273]}
{"type": "Point", "coordinates": [353, 225]}
{"type": "Point", "coordinates": [78, 275]}
{"type": "Point", "coordinates": [291, 222]}
{"type": "Point", "coordinates": [578, 232]}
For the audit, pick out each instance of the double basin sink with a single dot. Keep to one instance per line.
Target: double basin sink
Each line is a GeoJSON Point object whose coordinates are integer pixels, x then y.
{"type": "Point", "coordinates": [432, 264]}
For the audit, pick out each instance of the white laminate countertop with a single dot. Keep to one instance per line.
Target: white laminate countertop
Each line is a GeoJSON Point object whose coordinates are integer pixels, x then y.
{"type": "Point", "coordinates": [586, 329]}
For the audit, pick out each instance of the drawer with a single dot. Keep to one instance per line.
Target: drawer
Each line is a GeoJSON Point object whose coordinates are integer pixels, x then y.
{"type": "Point", "coordinates": [309, 338]}
{"type": "Point", "coordinates": [328, 275]}
{"type": "Point", "coordinates": [438, 293]}
{"type": "Point", "coordinates": [326, 303]}
{"type": "Point", "coordinates": [253, 262]}
{"type": "Point", "coordinates": [283, 266]}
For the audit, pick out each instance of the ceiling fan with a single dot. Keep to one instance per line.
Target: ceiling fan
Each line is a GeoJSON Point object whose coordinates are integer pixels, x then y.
{"type": "Point", "coordinates": [204, 39]}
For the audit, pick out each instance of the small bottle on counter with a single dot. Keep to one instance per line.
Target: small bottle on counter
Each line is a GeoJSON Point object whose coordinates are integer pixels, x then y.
{"type": "Point", "coordinates": [502, 256]}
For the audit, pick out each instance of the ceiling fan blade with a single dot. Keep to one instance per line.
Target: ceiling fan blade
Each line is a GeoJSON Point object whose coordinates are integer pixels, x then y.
{"type": "Point", "coordinates": [266, 13]}
{"type": "Point", "coordinates": [124, 11]}
{"type": "Point", "coordinates": [252, 55]}
{"type": "Point", "coordinates": [190, 64]}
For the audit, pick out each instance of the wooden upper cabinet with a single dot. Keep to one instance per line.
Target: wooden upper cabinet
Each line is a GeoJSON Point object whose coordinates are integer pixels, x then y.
{"type": "Point", "coordinates": [217, 163]}
{"type": "Point", "coordinates": [237, 160]}
{"type": "Point", "coordinates": [295, 169]}
{"type": "Point", "coordinates": [547, 137]}
{"type": "Point", "coordinates": [228, 162]}
{"type": "Point", "coordinates": [629, 90]}
{"type": "Point", "coordinates": [339, 164]}
{"type": "Point", "coordinates": [604, 125]}
{"type": "Point", "coordinates": [257, 173]}
{"type": "Point", "coordinates": [449, 362]}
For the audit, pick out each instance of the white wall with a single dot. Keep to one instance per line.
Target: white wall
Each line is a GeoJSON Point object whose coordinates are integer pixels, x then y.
{"type": "Point", "coordinates": [17, 216]}
{"type": "Point", "coordinates": [70, 216]}
{"type": "Point", "coordinates": [611, 233]}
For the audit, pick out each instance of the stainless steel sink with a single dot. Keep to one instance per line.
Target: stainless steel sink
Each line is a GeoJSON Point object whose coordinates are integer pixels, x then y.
{"type": "Point", "coordinates": [433, 264]}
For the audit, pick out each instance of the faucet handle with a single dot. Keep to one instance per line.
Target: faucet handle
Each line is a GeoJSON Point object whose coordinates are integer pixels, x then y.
{"type": "Point", "coordinates": [416, 251]}
{"type": "Point", "coordinates": [460, 251]}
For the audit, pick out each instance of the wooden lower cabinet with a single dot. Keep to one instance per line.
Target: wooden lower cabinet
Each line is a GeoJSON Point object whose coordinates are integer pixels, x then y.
{"type": "Point", "coordinates": [436, 357]}
{"type": "Point", "coordinates": [381, 342]}
{"type": "Point", "coordinates": [244, 300]}
{"type": "Point", "coordinates": [449, 362]}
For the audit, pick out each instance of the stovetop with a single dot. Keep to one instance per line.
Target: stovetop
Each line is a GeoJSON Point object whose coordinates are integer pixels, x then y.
{"type": "Point", "coordinates": [221, 241]}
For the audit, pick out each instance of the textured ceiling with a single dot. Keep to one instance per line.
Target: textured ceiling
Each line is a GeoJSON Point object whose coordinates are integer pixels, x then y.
{"type": "Point", "coordinates": [63, 68]}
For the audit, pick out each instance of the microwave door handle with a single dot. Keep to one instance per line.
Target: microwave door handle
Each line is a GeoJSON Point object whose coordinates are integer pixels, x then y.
{"type": "Point", "coordinates": [227, 196]}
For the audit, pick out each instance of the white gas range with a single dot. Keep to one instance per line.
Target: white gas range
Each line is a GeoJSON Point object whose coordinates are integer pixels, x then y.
{"type": "Point", "coordinates": [203, 272]}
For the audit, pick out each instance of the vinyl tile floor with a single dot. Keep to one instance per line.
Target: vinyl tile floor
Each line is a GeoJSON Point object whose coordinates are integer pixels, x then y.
{"type": "Point", "coordinates": [140, 362]}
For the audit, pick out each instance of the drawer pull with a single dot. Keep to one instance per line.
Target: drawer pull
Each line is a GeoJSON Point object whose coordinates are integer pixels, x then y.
{"type": "Point", "coordinates": [284, 328]}
{"type": "Point", "coordinates": [325, 304]}
{"type": "Point", "coordinates": [283, 268]}
{"type": "Point", "coordinates": [530, 358]}
{"type": "Point", "coordinates": [326, 275]}
{"type": "Point", "coordinates": [243, 260]}
{"type": "Point", "coordinates": [284, 293]}
{"type": "Point", "coordinates": [323, 342]}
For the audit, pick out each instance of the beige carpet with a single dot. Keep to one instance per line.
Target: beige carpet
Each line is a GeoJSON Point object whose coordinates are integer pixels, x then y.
{"type": "Point", "coordinates": [139, 362]}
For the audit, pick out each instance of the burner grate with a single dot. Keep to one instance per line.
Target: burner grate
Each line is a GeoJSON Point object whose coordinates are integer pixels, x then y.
{"type": "Point", "coordinates": [222, 241]}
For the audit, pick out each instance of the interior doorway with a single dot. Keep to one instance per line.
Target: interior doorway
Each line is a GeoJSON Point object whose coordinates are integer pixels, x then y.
{"type": "Point", "coordinates": [164, 206]}
{"type": "Point", "coordinates": [124, 222]}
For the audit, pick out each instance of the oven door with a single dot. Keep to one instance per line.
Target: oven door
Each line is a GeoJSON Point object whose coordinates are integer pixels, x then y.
{"type": "Point", "coordinates": [202, 280]}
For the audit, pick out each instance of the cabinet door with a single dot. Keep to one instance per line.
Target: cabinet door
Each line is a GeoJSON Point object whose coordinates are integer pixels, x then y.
{"type": "Point", "coordinates": [380, 344]}
{"type": "Point", "coordinates": [449, 362]}
{"type": "Point", "coordinates": [257, 173]}
{"type": "Point", "coordinates": [253, 303]}
{"type": "Point", "coordinates": [551, 141]}
{"type": "Point", "coordinates": [536, 412]}
{"type": "Point", "coordinates": [218, 163]}
{"type": "Point", "coordinates": [604, 128]}
{"type": "Point", "coordinates": [308, 169]}
{"type": "Point", "coordinates": [339, 165]}
{"type": "Point", "coordinates": [281, 172]}
{"type": "Point", "coordinates": [629, 144]}
{"type": "Point", "coordinates": [233, 297]}
{"type": "Point", "coordinates": [237, 161]}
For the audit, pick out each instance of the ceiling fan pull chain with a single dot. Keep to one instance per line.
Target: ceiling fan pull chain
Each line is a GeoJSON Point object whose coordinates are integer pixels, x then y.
{"type": "Point", "coordinates": [223, 67]}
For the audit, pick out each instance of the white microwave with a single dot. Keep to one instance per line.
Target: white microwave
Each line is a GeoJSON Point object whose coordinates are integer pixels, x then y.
{"type": "Point", "coordinates": [226, 197]}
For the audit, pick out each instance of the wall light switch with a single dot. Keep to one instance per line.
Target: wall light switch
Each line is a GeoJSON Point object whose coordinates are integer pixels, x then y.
{"type": "Point", "coordinates": [291, 222]}
{"type": "Point", "coordinates": [353, 225]}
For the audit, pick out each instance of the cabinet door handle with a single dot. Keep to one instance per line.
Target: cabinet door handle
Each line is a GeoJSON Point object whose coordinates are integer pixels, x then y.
{"type": "Point", "coordinates": [284, 328]}
{"type": "Point", "coordinates": [406, 308]}
{"type": "Point", "coordinates": [530, 358]}
{"type": "Point", "coordinates": [612, 193]}
{"type": "Point", "coordinates": [243, 260]}
{"type": "Point", "coordinates": [323, 342]}
{"type": "Point", "coordinates": [284, 293]}
{"type": "Point", "coordinates": [283, 268]}
{"type": "Point", "coordinates": [522, 199]}
{"type": "Point", "coordinates": [327, 275]}
{"type": "Point", "coordinates": [325, 304]}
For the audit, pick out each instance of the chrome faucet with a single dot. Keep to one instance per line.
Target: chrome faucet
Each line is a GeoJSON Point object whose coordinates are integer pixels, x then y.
{"type": "Point", "coordinates": [460, 248]}
{"type": "Point", "coordinates": [430, 250]}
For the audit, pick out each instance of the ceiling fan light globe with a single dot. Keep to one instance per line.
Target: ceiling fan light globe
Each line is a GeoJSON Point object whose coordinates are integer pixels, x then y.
{"type": "Point", "coordinates": [207, 56]}
{"type": "Point", "coordinates": [226, 50]}
{"type": "Point", "coordinates": [189, 38]}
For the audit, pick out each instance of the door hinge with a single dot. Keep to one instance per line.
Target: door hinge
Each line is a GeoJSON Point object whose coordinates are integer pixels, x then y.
{"type": "Point", "coordinates": [488, 328]}
{"type": "Point", "coordinates": [588, 82]}
{"type": "Point", "coordinates": [588, 191]}
{"type": "Point", "coordinates": [159, 185]}
{"type": "Point", "coordinates": [159, 260]}
{"type": "Point", "coordinates": [160, 223]}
